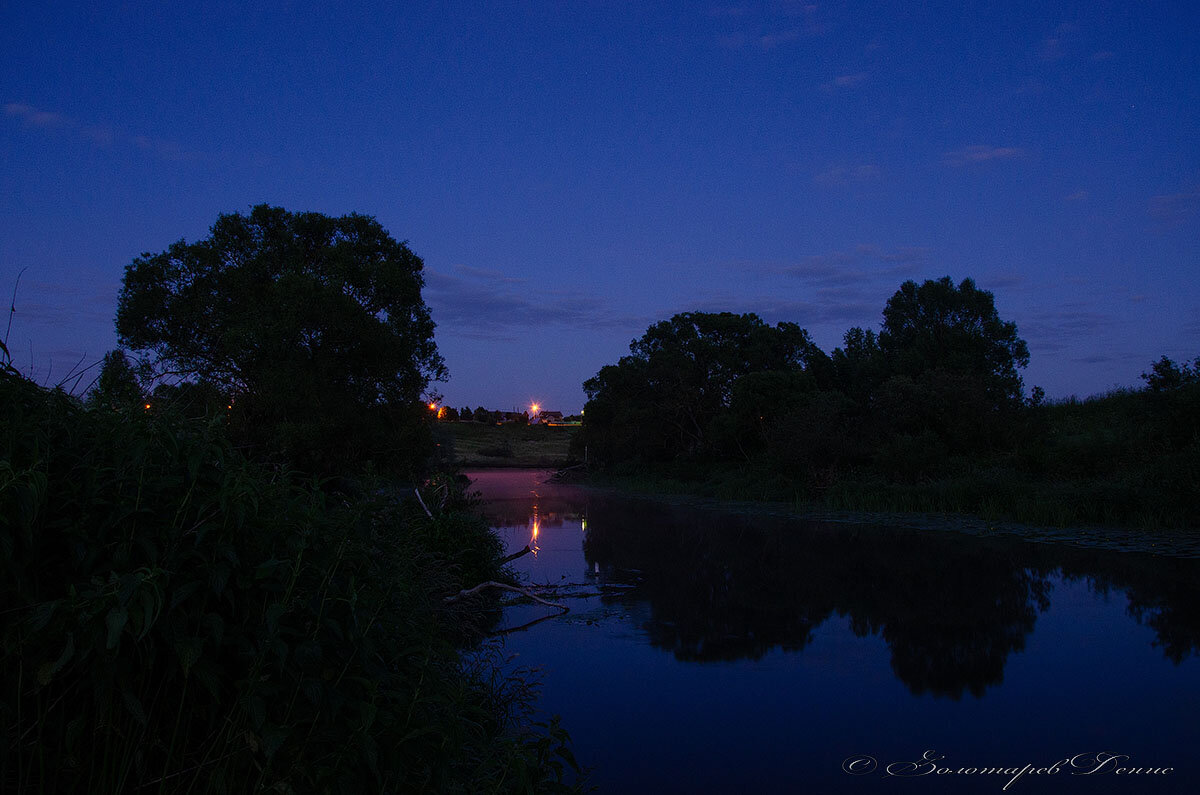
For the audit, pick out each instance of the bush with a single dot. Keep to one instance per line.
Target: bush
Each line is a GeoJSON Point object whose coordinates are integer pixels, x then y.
{"type": "Point", "coordinates": [179, 617]}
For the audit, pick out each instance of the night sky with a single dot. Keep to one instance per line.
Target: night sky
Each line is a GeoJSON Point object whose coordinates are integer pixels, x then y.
{"type": "Point", "coordinates": [572, 172]}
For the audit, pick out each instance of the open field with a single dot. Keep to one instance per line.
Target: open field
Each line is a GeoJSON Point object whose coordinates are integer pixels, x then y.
{"type": "Point", "coordinates": [474, 444]}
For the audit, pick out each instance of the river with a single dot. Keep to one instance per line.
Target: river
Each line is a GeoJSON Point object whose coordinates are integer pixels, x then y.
{"type": "Point", "coordinates": [714, 651]}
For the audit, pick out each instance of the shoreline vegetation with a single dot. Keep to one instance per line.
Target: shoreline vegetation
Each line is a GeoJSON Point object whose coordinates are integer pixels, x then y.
{"type": "Point", "coordinates": [216, 575]}
{"type": "Point", "coordinates": [985, 497]}
{"type": "Point", "coordinates": [181, 617]}
{"type": "Point", "coordinates": [929, 415]}
{"type": "Point", "coordinates": [876, 512]}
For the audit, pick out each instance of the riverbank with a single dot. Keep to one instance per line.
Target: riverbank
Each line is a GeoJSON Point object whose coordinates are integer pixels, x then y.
{"type": "Point", "coordinates": [880, 508]}
{"type": "Point", "coordinates": [178, 614]}
{"type": "Point", "coordinates": [477, 445]}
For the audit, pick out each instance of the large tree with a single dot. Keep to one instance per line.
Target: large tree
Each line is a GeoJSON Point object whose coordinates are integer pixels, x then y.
{"type": "Point", "coordinates": [681, 376]}
{"type": "Point", "coordinates": [313, 326]}
{"type": "Point", "coordinates": [939, 326]}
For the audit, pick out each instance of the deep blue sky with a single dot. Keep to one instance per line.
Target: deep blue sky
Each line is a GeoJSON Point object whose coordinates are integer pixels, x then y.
{"type": "Point", "coordinates": [572, 172]}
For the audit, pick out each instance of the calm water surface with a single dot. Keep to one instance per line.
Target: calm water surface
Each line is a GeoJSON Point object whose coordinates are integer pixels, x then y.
{"type": "Point", "coordinates": [714, 652]}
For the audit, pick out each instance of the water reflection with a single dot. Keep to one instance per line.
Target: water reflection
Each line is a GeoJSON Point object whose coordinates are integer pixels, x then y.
{"type": "Point", "coordinates": [728, 587]}
{"type": "Point", "coordinates": [952, 609]}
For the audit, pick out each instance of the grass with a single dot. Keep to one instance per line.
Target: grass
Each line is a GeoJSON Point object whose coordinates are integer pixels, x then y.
{"type": "Point", "coordinates": [475, 444]}
{"type": "Point", "coordinates": [179, 618]}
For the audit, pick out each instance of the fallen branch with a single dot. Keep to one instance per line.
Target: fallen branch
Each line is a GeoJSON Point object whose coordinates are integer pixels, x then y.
{"type": "Point", "coordinates": [504, 586]}
{"type": "Point", "coordinates": [553, 586]}
{"type": "Point", "coordinates": [423, 505]}
{"type": "Point", "coordinates": [522, 627]}
{"type": "Point", "coordinates": [516, 555]}
{"type": "Point", "coordinates": [562, 473]}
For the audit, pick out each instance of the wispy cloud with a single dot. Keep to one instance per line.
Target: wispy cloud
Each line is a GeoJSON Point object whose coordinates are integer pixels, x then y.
{"type": "Point", "coordinates": [43, 303]}
{"type": "Point", "coordinates": [1054, 329]}
{"type": "Point", "coordinates": [764, 41]}
{"type": "Point", "coordinates": [819, 310]}
{"type": "Point", "coordinates": [1173, 210]}
{"type": "Point", "coordinates": [970, 155]}
{"type": "Point", "coordinates": [863, 263]}
{"type": "Point", "coordinates": [835, 289]}
{"type": "Point", "coordinates": [844, 81]}
{"type": "Point", "coordinates": [732, 41]}
{"type": "Point", "coordinates": [486, 275]}
{"type": "Point", "coordinates": [34, 117]}
{"type": "Point", "coordinates": [99, 135]}
{"type": "Point", "coordinates": [766, 28]}
{"type": "Point", "coordinates": [1054, 47]}
{"type": "Point", "coordinates": [844, 175]}
{"type": "Point", "coordinates": [770, 41]}
{"type": "Point", "coordinates": [1005, 281]}
{"type": "Point", "coordinates": [1051, 49]}
{"type": "Point", "coordinates": [486, 304]}
{"type": "Point", "coordinates": [727, 11]}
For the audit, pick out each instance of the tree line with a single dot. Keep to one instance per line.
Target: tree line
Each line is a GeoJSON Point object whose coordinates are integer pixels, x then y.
{"type": "Point", "coordinates": [941, 375]}
{"type": "Point", "coordinates": [928, 413]}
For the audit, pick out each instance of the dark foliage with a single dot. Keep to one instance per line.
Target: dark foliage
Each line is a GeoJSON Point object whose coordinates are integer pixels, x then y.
{"type": "Point", "coordinates": [937, 326]}
{"type": "Point", "coordinates": [117, 387]}
{"type": "Point", "coordinates": [941, 378]}
{"type": "Point", "coordinates": [687, 380]}
{"type": "Point", "coordinates": [1166, 376]}
{"type": "Point", "coordinates": [178, 618]}
{"type": "Point", "coordinates": [927, 415]}
{"type": "Point", "coordinates": [313, 328]}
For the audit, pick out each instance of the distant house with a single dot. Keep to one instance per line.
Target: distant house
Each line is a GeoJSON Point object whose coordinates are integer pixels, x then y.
{"type": "Point", "coordinates": [555, 419]}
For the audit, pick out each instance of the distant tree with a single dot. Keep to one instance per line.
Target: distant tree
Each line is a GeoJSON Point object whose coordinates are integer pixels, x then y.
{"type": "Point", "coordinates": [1173, 411]}
{"type": "Point", "coordinates": [939, 326]}
{"type": "Point", "coordinates": [522, 418]}
{"type": "Point", "coordinates": [314, 325]}
{"type": "Point", "coordinates": [465, 414]}
{"type": "Point", "coordinates": [859, 366]}
{"type": "Point", "coordinates": [117, 386]}
{"type": "Point", "coordinates": [481, 414]}
{"type": "Point", "coordinates": [448, 414]}
{"type": "Point", "coordinates": [662, 400]}
{"type": "Point", "coordinates": [1166, 375]}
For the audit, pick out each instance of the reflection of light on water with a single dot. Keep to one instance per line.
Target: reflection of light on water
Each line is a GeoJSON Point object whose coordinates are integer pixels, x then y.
{"type": "Point", "coordinates": [535, 528]}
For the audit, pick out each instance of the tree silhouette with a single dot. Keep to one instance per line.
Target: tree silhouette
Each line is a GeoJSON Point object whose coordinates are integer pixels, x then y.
{"type": "Point", "coordinates": [314, 326]}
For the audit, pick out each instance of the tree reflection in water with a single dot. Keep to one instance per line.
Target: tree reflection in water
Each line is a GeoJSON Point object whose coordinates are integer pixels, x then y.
{"type": "Point", "coordinates": [951, 608]}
